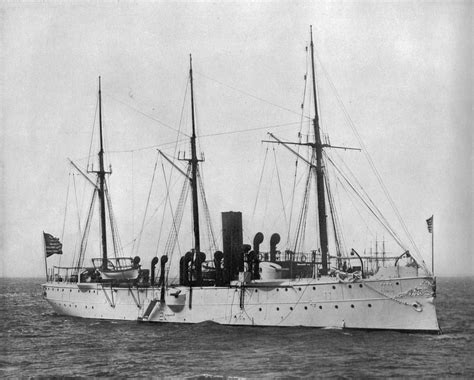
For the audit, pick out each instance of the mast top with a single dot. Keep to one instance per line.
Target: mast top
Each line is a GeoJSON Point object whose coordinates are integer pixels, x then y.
{"type": "Point", "coordinates": [101, 174]}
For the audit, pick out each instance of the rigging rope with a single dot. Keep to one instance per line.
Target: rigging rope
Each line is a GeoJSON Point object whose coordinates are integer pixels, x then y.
{"type": "Point", "coordinates": [113, 225]}
{"type": "Point", "coordinates": [250, 129]}
{"type": "Point", "coordinates": [65, 213]}
{"type": "Point", "coordinates": [146, 207]}
{"type": "Point", "coordinates": [298, 149]}
{"type": "Point", "coordinates": [338, 208]}
{"type": "Point", "coordinates": [85, 235]}
{"type": "Point", "coordinates": [372, 208]}
{"type": "Point", "coordinates": [259, 184]}
{"type": "Point", "coordinates": [361, 188]}
{"type": "Point", "coordinates": [248, 94]}
{"type": "Point", "coordinates": [160, 230]}
{"type": "Point", "coordinates": [177, 218]}
{"type": "Point", "coordinates": [371, 163]}
{"type": "Point", "coordinates": [176, 142]}
{"type": "Point", "coordinates": [139, 149]}
{"type": "Point", "coordinates": [279, 186]}
{"type": "Point", "coordinates": [210, 230]}
{"type": "Point", "coordinates": [146, 115]}
{"type": "Point", "coordinates": [133, 204]}
{"type": "Point", "coordinates": [93, 129]}
{"type": "Point", "coordinates": [167, 197]}
{"type": "Point", "coordinates": [301, 226]}
{"type": "Point", "coordinates": [78, 217]}
{"type": "Point", "coordinates": [334, 217]}
{"type": "Point", "coordinates": [268, 197]}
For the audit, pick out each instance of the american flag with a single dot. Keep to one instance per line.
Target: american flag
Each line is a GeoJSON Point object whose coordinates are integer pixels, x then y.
{"type": "Point", "coordinates": [52, 245]}
{"type": "Point", "coordinates": [429, 222]}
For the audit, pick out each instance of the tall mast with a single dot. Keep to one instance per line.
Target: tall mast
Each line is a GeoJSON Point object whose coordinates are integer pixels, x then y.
{"type": "Point", "coordinates": [101, 174]}
{"type": "Point", "coordinates": [194, 167]}
{"type": "Point", "coordinates": [318, 147]}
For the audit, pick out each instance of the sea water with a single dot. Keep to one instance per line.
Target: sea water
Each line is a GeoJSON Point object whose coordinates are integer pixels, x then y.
{"type": "Point", "coordinates": [36, 342]}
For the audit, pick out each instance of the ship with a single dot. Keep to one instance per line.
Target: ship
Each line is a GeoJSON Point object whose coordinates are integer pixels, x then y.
{"type": "Point", "coordinates": [243, 284]}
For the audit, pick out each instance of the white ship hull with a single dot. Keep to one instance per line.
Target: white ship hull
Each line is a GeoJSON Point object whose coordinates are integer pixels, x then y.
{"type": "Point", "coordinates": [392, 304]}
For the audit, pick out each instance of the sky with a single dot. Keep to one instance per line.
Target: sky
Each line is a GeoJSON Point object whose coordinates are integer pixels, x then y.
{"type": "Point", "coordinates": [402, 70]}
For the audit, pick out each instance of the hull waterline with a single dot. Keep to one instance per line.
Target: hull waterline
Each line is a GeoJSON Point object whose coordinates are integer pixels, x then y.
{"type": "Point", "coordinates": [397, 304]}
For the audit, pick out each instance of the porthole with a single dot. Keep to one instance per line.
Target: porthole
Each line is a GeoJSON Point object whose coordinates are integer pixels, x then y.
{"type": "Point", "coordinates": [336, 307]}
{"type": "Point", "coordinates": [397, 283]}
{"type": "Point", "coordinates": [314, 287]}
{"type": "Point", "coordinates": [291, 308]}
{"type": "Point", "coordinates": [299, 289]}
{"type": "Point", "coordinates": [370, 305]}
{"type": "Point", "coordinates": [352, 306]}
{"type": "Point", "coordinates": [278, 308]}
{"type": "Point", "coordinates": [320, 307]}
{"type": "Point", "coordinates": [256, 290]}
{"type": "Point", "coordinates": [278, 290]}
{"type": "Point", "coordinates": [259, 309]}
{"type": "Point", "coordinates": [286, 289]}
{"type": "Point", "coordinates": [306, 307]}
{"type": "Point", "coordinates": [360, 285]}
{"type": "Point", "coordinates": [350, 286]}
{"type": "Point", "coordinates": [333, 287]}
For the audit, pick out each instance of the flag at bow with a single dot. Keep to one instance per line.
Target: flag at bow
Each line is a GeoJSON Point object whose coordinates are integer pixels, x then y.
{"type": "Point", "coordinates": [429, 222]}
{"type": "Point", "coordinates": [52, 245]}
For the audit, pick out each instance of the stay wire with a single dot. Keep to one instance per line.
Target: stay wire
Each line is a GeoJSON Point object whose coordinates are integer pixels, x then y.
{"type": "Point", "coordinates": [371, 163]}
{"type": "Point", "coordinates": [247, 93]}
{"type": "Point", "coordinates": [300, 228]}
{"type": "Point", "coordinates": [334, 218]}
{"type": "Point", "coordinates": [368, 199]}
{"type": "Point", "coordinates": [361, 188]}
{"type": "Point", "coordinates": [93, 129]}
{"type": "Point", "coordinates": [207, 214]}
{"type": "Point", "coordinates": [147, 205]}
{"type": "Point", "coordinates": [375, 211]}
{"type": "Point", "coordinates": [269, 190]}
{"type": "Point", "coordinates": [259, 184]}
{"type": "Point", "coordinates": [65, 214]}
{"type": "Point", "coordinates": [113, 225]}
{"type": "Point", "coordinates": [279, 186]}
{"type": "Point", "coordinates": [251, 129]}
{"type": "Point", "coordinates": [146, 115]}
{"type": "Point", "coordinates": [298, 149]}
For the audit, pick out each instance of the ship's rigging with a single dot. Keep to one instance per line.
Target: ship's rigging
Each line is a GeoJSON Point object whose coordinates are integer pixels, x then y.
{"type": "Point", "coordinates": [243, 284]}
{"type": "Point", "coordinates": [319, 162]}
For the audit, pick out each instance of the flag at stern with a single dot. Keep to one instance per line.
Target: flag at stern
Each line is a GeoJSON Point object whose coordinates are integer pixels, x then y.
{"type": "Point", "coordinates": [52, 245]}
{"type": "Point", "coordinates": [429, 223]}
